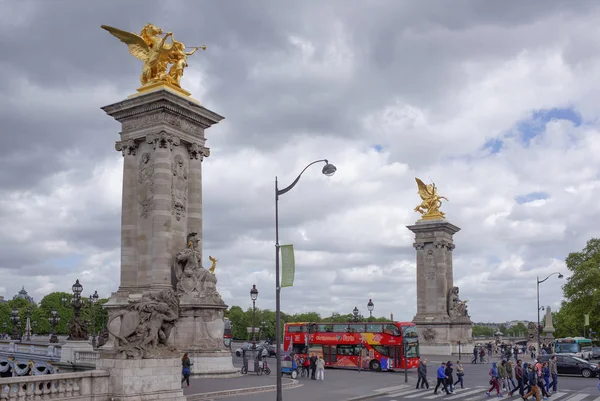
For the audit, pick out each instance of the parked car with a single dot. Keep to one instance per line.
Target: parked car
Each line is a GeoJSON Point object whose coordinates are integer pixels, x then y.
{"type": "Point", "coordinates": [240, 351]}
{"type": "Point", "coordinates": [595, 352]}
{"type": "Point", "coordinates": [572, 365]}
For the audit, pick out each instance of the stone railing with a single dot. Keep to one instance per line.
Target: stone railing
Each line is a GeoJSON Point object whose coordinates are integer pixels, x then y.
{"type": "Point", "coordinates": [88, 357]}
{"type": "Point", "coordinates": [49, 350]}
{"type": "Point", "coordinates": [81, 386]}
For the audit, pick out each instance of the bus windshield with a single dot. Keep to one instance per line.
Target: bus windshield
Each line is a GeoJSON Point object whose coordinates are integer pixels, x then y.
{"type": "Point", "coordinates": [410, 332]}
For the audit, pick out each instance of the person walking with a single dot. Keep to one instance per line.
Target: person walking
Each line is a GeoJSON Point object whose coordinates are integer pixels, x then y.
{"type": "Point", "coordinates": [510, 376]}
{"type": "Point", "coordinates": [475, 353]}
{"type": "Point", "coordinates": [502, 375]}
{"type": "Point", "coordinates": [441, 379]}
{"type": "Point", "coordinates": [320, 365]}
{"type": "Point", "coordinates": [449, 376]}
{"type": "Point", "coordinates": [313, 366]}
{"type": "Point", "coordinates": [460, 373]}
{"type": "Point", "coordinates": [422, 375]}
{"type": "Point", "coordinates": [519, 377]}
{"type": "Point", "coordinates": [553, 373]}
{"type": "Point", "coordinates": [494, 381]}
{"type": "Point", "coordinates": [532, 379]}
{"type": "Point", "coordinates": [186, 370]}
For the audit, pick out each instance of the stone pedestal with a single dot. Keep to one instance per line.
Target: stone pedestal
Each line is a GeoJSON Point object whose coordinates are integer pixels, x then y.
{"type": "Point", "coordinates": [69, 348]}
{"type": "Point", "coordinates": [143, 379]}
{"type": "Point", "coordinates": [199, 332]}
{"type": "Point", "coordinates": [441, 318]}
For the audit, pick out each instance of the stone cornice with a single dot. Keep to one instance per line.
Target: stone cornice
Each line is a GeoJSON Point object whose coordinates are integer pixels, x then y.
{"type": "Point", "coordinates": [162, 100]}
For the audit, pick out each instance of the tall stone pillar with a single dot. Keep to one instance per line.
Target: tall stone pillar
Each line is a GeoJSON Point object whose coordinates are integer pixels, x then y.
{"type": "Point", "coordinates": [441, 318]}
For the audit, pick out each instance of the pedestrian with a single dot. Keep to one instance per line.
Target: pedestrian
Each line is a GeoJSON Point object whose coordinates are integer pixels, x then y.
{"type": "Point", "coordinates": [186, 368]}
{"type": "Point", "coordinates": [313, 366]}
{"type": "Point", "coordinates": [546, 376]}
{"type": "Point", "coordinates": [502, 375]}
{"type": "Point", "coordinates": [460, 373]}
{"type": "Point", "coordinates": [481, 355]}
{"type": "Point", "coordinates": [553, 373]}
{"type": "Point", "coordinates": [494, 381]}
{"type": "Point", "coordinates": [320, 364]}
{"type": "Point", "coordinates": [441, 379]}
{"type": "Point", "coordinates": [306, 366]}
{"type": "Point", "coordinates": [533, 383]}
{"type": "Point", "coordinates": [510, 376]}
{"type": "Point", "coordinates": [449, 376]}
{"type": "Point", "coordinates": [519, 376]}
{"type": "Point", "coordinates": [422, 374]}
{"type": "Point", "coordinates": [475, 352]}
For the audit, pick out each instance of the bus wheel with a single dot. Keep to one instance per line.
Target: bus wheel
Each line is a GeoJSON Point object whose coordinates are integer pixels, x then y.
{"type": "Point", "coordinates": [375, 365]}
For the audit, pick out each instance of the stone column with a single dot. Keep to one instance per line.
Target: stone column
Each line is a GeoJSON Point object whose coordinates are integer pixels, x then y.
{"type": "Point", "coordinates": [162, 140]}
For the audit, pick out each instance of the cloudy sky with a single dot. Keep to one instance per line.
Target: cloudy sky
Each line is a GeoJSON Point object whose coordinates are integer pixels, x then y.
{"type": "Point", "coordinates": [495, 102]}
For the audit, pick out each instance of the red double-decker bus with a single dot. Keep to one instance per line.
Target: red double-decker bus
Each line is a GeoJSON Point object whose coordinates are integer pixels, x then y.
{"type": "Point", "coordinates": [369, 345]}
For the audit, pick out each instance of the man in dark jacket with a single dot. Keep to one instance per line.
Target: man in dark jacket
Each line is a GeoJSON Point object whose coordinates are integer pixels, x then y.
{"type": "Point", "coordinates": [422, 374]}
{"type": "Point", "coordinates": [313, 366]}
{"type": "Point", "coordinates": [532, 377]}
{"type": "Point", "coordinates": [519, 377]}
{"type": "Point", "coordinates": [553, 373]}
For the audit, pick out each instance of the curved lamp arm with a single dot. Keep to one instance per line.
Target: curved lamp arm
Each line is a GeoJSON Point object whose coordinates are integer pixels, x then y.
{"type": "Point", "coordinates": [293, 184]}
{"type": "Point", "coordinates": [559, 276]}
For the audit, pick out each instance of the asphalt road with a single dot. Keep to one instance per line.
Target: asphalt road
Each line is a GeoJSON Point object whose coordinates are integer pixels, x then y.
{"type": "Point", "coordinates": [342, 385]}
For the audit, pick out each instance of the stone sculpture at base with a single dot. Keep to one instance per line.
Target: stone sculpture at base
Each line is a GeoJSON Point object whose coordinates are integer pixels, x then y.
{"type": "Point", "coordinates": [442, 318]}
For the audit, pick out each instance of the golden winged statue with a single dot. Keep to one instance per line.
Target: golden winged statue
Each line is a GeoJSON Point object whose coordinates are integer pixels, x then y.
{"type": "Point", "coordinates": [151, 47]}
{"type": "Point", "coordinates": [214, 264]}
{"type": "Point", "coordinates": [430, 206]}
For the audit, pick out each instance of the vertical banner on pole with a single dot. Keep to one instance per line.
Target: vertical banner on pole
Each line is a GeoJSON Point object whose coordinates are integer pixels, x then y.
{"type": "Point", "coordinates": [586, 320]}
{"type": "Point", "coordinates": [288, 265]}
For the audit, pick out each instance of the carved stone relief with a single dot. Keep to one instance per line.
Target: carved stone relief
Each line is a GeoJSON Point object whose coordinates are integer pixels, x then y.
{"type": "Point", "coordinates": [146, 325]}
{"type": "Point", "coordinates": [431, 268]}
{"type": "Point", "coordinates": [146, 182]}
{"type": "Point", "coordinates": [126, 147]}
{"type": "Point", "coordinates": [135, 123]}
{"type": "Point", "coordinates": [429, 335]}
{"type": "Point", "coordinates": [179, 187]}
{"type": "Point", "coordinates": [197, 150]}
{"type": "Point", "coordinates": [163, 140]}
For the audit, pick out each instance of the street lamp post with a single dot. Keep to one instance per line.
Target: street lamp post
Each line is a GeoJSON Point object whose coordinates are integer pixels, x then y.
{"type": "Point", "coordinates": [28, 323]}
{"type": "Point", "coordinates": [370, 307]}
{"type": "Point", "coordinates": [539, 334]}
{"type": "Point", "coordinates": [355, 317]}
{"type": "Point", "coordinates": [53, 319]}
{"type": "Point", "coordinates": [328, 170]}
{"type": "Point", "coordinates": [34, 331]}
{"type": "Point", "coordinates": [4, 326]}
{"type": "Point", "coordinates": [93, 300]}
{"type": "Point", "coordinates": [15, 319]}
{"type": "Point", "coordinates": [253, 296]}
{"type": "Point", "coordinates": [77, 329]}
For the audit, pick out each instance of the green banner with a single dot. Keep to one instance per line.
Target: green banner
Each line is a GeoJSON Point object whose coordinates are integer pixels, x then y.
{"type": "Point", "coordinates": [586, 320]}
{"type": "Point", "coordinates": [288, 265]}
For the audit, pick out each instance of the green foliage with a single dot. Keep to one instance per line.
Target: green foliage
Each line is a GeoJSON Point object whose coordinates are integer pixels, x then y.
{"type": "Point", "coordinates": [581, 292]}
{"type": "Point", "coordinates": [483, 331]}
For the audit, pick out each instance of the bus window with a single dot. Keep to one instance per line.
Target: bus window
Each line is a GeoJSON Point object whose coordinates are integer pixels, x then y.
{"type": "Point", "coordinates": [410, 331]}
{"type": "Point", "coordinates": [322, 328]}
{"type": "Point", "coordinates": [348, 350]}
{"type": "Point", "coordinates": [375, 328]}
{"type": "Point", "coordinates": [391, 329]}
{"type": "Point", "coordinates": [412, 349]}
{"type": "Point", "coordinates": [382, 349]}
{"type": "Point", "coordinates": [359, 328]}
{"type": "Point", "coordinates": [340, 328]}
{"type": "Point", "coordinates": [296, 329]}
{"type": "Point", "coordinates": [300, 349]}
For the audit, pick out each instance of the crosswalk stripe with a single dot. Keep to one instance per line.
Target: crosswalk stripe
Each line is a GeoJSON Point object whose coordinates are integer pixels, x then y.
{"type": "Point", "coordinates": [405, 392]}
{"type": "Point", "coordinates": [460, 394]}
{"type": "Point", "coordinates": [394, 388]}
{"type": "Point", "coordinates": [576, 397]}
{"type": "Point", "coordinates": [597, 399]}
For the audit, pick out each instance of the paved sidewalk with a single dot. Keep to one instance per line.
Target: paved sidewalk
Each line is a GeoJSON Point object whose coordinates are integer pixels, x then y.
{"type": "Point", "coordinates": [206, 388]}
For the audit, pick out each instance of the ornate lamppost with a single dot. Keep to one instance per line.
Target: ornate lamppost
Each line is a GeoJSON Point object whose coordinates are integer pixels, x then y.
{"type": "Point", "coordinates": [355, 316]}
{"type": "Point", "coordinates": [28, 324]}
{"type": "Point", "coordinates": [539, 331]}
{"type": "Point", "coordinates": [328, 170]}
{"type": "Point", "coordinates": [15, 319]}
{"type": "Point", "coordinates": [253, 296]}
{"type": "Point", "coordinates": [4, 326]}
{"type": "Point", "coordinates": [77, 329]}
{"type": "Point", "coordinates": [53, 319]}
{"type": "Point", "coordinates": [93, 301]}
{"type": "Point", "coordinates": [370, 307]}
{"type": "Point", "coordinates": [34, 331]}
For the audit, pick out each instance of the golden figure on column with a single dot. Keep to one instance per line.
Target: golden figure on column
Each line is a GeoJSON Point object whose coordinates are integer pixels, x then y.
{"type": "Point", "coordinates": [151, 47]}
{"type": "Point", "coordinates": [430, 206]}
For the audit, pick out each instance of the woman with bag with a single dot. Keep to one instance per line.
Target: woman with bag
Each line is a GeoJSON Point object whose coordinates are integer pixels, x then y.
{"type": "Point", "coordinates": [186, 369]}
{"type": "Point", "coordinates": [494, 381]}
{"type": "Point", "coordinates": [460, 372]}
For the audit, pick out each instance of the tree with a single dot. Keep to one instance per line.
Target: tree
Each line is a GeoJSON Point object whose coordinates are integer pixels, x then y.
{"type": "Point", "coordinates": [485, 331]}
{"type": "Point", "coordinates": [581, 292]}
